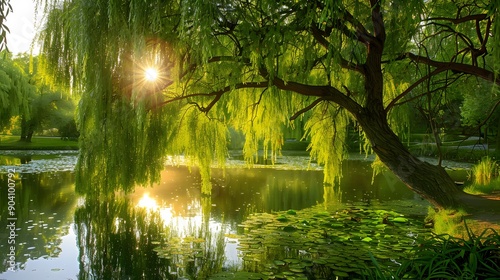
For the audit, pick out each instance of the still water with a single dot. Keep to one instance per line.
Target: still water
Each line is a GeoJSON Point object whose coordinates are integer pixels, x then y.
{"type": "Point", "coordinates": [259, 223]}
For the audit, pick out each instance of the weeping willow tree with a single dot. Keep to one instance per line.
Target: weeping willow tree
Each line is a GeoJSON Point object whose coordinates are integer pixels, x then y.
{"type": "Point", "coordinates": [258, 66]}
{"type": "Point", "coordinates": [15, 90]}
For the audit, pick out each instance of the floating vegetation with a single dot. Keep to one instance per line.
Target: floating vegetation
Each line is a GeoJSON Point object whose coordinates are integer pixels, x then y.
{"type": "Point", "coordinates": [318, 244]}
{"type": "Point", "coordinates": [38, 161]}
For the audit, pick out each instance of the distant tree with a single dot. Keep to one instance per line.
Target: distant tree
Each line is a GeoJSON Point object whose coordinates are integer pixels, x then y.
{"type": "Point", "coordinates": [258, 66]}
{"type": "Point", "coordinates": [15, 90]}
{"type": "Point", "coordinates": [69, 130]}
{"type": "Point", "coordinates": [49, 107]}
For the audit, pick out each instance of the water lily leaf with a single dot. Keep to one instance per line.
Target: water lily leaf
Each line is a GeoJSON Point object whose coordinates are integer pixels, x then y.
{"type": "Point", "coordinates": [400, 220]}
{"type": "Point", "coordinates": [282, 218]}
{"type": "Point", "coordinates": [289, 228]}
{"type": "Point", "coordinates": [278, 262]}
{"type": "Point", "coordinates": [340, 273]}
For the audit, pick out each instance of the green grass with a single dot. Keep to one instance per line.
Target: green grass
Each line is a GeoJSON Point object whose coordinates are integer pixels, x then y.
{"type": "Point", "coordinates": [448, 257]}
{"type": "Point", "coordinates": [447, 221]}
{"type": "Point", "coordinates": [494, 185]}
{"type": "Point", "coordinates": [485, 174]}
{"type": "Point", "coordinates": [485, 171]}
{"type": "Point", "coordinates": [9, 142]}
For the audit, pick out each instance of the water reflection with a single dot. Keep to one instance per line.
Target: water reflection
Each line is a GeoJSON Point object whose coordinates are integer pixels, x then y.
{"type": "Point", "coordinates": [170, 230]}
{"type": "Point", "coordinates": [116, 240]}
{"type": "Point", "coordinates": [44, 207]}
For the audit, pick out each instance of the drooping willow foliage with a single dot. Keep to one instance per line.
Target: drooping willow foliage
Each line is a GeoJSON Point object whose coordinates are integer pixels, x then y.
{"type": "Point", "coordinates": [15, 90]}
{"type": "Point", "coordinates": [255, 66]}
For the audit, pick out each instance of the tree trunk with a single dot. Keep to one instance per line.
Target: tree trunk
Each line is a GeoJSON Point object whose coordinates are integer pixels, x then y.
{"type": "Point", "coordinates": [27, 130]}
{"type": "Point", "coordinates": [429, 181]}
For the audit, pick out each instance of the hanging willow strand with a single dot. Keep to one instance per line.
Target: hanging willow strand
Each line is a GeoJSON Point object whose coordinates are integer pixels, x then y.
{"type": "Point", "coordinates": [247, 65]}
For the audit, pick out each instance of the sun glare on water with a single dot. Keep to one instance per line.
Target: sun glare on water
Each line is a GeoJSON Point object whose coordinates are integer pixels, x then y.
{"type": "Point", "coordinates": [151, 74]}
{"type": "Point", "coordinates": [147, 202]}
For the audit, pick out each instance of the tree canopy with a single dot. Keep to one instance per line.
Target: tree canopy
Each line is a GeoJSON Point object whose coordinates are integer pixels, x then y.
{"type": "Point", "coordinates": [258, 66]}
{"type": "Point", "coordinates": [15, 90]}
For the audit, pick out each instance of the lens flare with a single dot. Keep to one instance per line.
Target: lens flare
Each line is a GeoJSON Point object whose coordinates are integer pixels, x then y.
{"type": "Point", "coordinates": [151, 74]}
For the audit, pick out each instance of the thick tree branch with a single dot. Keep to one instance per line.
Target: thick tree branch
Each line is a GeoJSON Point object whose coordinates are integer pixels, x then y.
{"type": "Point", "coordinates": [459, 20]}
{"type": "Point", "coordinates": [455, 67]}
{"type": "Point", "coordinates": [373, 67]}
{"type": "Point", "coordinates": [325, 92]}
{"type": "Point", "coordinates": [378, 22]}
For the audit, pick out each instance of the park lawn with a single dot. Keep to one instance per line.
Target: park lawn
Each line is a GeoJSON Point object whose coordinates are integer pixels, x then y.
{"type": "Point", "coordinates": [9, 142]}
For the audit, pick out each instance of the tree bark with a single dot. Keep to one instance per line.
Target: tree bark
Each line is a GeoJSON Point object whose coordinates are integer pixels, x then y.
{"type": "Point", "coordinates": [27, 130]}
{"type": "Point", "coordinates": [429, 181]}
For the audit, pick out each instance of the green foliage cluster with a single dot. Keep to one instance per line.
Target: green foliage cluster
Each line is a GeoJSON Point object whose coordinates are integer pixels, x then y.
{"type": "Point", "coordinates": [27, 102]}
{"type": "Point", "coordinates": [445, 257]}
{"type": "Point", "coordinates": [485, 171]}
{"type": "Point", "coordinates": [447, 221]}
{"type": "Point", "coordinates": [485, 174]}
{"type": "Point", "coordinates": [256, 67]}
{"type": "Point", "coordinates": [15, 90]}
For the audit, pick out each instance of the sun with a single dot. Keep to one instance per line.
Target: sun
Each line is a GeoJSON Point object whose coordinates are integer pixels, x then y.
{"type": "Point", "coordinates": [151, 74]}
{"type": "Point", "coordinates": [147, 202]}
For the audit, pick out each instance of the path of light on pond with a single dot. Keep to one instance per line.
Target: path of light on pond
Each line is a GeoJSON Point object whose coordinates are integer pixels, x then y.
{"type": "Point", "coordinates": [191, 222]}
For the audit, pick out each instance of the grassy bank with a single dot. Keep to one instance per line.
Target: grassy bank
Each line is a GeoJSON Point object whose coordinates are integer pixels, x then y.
{"type": "Point", "coordinates": [9, 142]}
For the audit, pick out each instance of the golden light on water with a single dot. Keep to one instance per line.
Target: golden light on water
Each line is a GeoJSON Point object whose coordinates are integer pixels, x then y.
{"type": "Point", "coordinates": [150, 204]}
{"type": "Point", "coordinates": [147, 202]}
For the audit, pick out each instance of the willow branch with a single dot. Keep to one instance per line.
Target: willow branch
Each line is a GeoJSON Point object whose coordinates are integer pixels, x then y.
{"type": "Point", "coordinates": [459, 20]}
{"type": "Point", "coordinates": [326, 44]}
{"type": "Point", "coordinates": [456, 67]}
{"type": "Point", "coordinates": [411, 87]}
{"type": "Point", "coordinates": [325, 92]}
{"type": "Point", "coordinates": [217, 94]}
{"type": "Point", "coordinates": [305, 109]}
{"type": "Point", "coordinates": [490, 114]}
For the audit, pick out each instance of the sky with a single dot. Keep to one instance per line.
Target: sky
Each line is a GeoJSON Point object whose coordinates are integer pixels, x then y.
{"type": "Point", "coordinates": [21, 23]}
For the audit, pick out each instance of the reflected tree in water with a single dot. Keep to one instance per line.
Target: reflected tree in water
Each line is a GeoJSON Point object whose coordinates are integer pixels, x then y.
{"type": "Point", "coordinates": [119, 240]}
{"type": "Point", "coordinates": [43, 212]}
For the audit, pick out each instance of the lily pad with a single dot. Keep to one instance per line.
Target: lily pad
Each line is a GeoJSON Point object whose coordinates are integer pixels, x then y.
{"type": "Point", "coordinates": [400, 220]}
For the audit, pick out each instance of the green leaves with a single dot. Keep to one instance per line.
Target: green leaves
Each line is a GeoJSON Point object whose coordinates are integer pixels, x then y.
{"type": "Point", "coordinates": [449, 257]}
{"type": "Point", "coordinates": [15, 90]}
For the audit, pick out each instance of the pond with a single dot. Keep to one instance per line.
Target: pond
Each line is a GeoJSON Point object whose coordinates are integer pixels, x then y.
{"type": "Point", "coordinates": [260, 223]}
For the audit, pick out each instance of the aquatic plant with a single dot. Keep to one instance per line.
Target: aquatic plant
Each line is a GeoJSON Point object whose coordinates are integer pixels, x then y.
{"type": "Point", "coordinates": [318, 244]}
